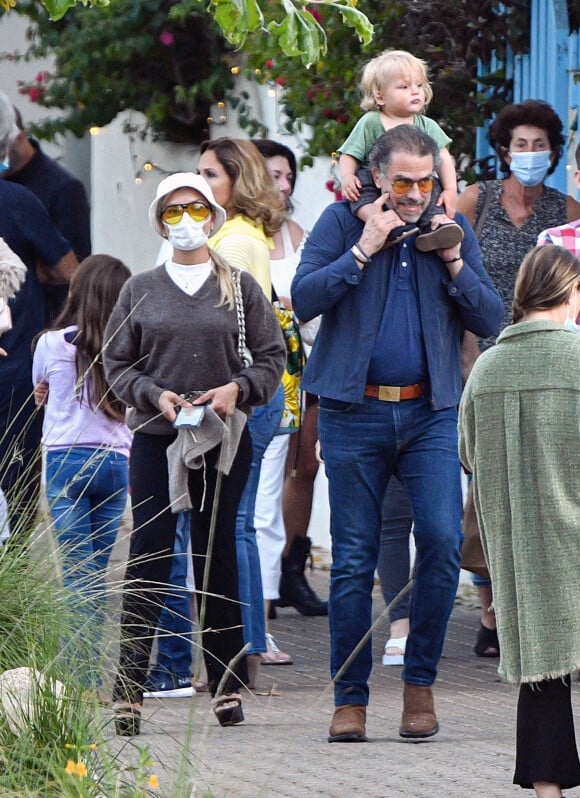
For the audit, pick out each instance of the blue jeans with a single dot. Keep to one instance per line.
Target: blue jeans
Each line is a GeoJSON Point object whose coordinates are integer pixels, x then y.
{"type": "Point", "coordinates": [174, 628]}
{"type": "Point", "coordinates": [87, 494]}
{"type": "Point", "coordinates": [263, 425]}
{"type": "Point", "coordinates": [363, 445]}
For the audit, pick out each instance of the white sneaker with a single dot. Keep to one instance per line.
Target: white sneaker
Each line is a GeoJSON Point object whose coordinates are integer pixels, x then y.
{"type": "Point", "coordinates": [395, 651]}
{"type": "Point", "coordinates": [170, 687]}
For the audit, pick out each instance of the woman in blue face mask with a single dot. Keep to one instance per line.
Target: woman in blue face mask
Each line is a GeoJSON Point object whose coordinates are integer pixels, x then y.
{"type": "Point", "coordinates": [508, 215]}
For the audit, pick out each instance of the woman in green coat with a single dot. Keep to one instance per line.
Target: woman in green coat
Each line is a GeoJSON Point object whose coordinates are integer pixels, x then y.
{"type": "Point", "coordinates": [519, 428]}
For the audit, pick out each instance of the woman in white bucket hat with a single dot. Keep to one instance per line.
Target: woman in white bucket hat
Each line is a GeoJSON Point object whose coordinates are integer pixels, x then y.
{"type": "Point", "coordinates": [176, 329]}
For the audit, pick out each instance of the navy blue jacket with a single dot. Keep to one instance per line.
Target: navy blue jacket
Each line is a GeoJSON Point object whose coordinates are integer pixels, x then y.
{"type": "Point", "coordinates": [329, 282]}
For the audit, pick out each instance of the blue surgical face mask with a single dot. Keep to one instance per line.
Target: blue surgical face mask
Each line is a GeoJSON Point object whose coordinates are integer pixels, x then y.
{"type": "Point", "coordinates": [530, 168]}
{"type": "Point", "coordinates": [570, 322]}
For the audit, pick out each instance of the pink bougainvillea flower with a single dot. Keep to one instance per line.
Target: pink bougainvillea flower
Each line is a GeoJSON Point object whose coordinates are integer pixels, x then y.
{"type": "Point", "coordinates": [281, 81]}
{"type": "Point", "coordinates": [316, 14]}
{"type": "Point", "coordinates": [332, 186]}
{"type": "Point", "coordinates": [166, 38]}
{"type": "Point", "coordinates": [269, 64]}
{"type": "Point", "coordinates": [34, 94]}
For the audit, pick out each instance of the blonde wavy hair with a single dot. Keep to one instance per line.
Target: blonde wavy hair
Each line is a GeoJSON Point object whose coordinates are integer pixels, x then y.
{"type": "Point", "coordinates": [254, 193]}
{"type": "Point", "coordinates": [384, 68]}
{"type": "Point", "coordinates": [223, 272]}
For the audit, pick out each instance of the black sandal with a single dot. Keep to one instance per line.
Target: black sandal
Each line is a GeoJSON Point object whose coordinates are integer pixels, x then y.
{"type": "Point", "coordinates": [487, 642]}
{"type": "Point", "coordinates": [127, 720]}
{"type": "Point", "coordinates": [228, 715]}
{"type": "Point", "coordinates": [400, 234]}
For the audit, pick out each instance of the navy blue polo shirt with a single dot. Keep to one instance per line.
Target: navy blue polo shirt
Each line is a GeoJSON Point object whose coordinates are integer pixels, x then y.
{"type": "Point", "coordinates": [63, 196]}
{"type": "Point", "coordinates": [398, 356]}
{"type": "Point", "coordinates": [27, 229]}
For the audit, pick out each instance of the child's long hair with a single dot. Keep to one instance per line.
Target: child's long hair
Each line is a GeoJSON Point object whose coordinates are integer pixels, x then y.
{"type": "Point", "coordinates": [385, 67]}
{"type": "Point", "coordinates": [94, 290]}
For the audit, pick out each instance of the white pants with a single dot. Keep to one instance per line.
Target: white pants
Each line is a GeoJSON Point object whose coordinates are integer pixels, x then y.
{"type": "Point", "coordinates": [268, 518]}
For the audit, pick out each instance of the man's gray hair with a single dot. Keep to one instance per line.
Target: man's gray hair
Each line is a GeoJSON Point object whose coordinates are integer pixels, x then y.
{"type": "Point", "coordinates": [403, 138]}
{"type": "Point", "coordinates": [8, 127]}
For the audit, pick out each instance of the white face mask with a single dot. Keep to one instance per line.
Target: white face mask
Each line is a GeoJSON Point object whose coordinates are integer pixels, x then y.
{"type": "Point", "coordinates": [187, 234]}
{"type": "Point", "coordinates": [530, 168]}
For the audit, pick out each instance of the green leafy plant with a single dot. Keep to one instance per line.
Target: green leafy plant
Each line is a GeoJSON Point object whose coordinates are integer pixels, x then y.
{"type": "Point", "coordinates": [132, 54]}
{"type": "Point", "coordinates": [323, 103]}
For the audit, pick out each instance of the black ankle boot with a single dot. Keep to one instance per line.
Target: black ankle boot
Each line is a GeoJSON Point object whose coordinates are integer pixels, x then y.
{"type": "Point", "coordinates": [294, 589]}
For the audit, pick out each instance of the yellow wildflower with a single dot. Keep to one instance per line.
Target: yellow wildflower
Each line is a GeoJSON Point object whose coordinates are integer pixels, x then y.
{"type": "Point", "coordinates": [80, 770]}
{"type": "Point", "coordinates": [153, 782]}
{"type": "Point", "coordinates": [7, 4]}
{"type": "Point", "coordinates": [70, 767]}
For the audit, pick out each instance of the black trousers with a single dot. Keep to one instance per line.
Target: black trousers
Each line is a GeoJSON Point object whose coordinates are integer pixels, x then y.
{"type": "Point", "coordinates": [20, 432]}
{"type": "Point", "coordinates": [150, 556]}
{"type": "Point", "coordinates": [546, 744]}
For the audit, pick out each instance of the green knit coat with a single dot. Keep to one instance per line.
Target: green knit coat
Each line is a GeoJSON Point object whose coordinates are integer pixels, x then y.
{"type": "Point", "coordinates": [519, 434]}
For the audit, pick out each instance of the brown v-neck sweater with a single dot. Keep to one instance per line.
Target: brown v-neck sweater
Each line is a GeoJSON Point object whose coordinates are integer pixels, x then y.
{"type": "Point", "coordinates": [159, 339]}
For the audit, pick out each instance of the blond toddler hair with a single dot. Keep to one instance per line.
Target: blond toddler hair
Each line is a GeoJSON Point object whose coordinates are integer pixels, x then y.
{"type": "Point", "coordinates": [385, 67]}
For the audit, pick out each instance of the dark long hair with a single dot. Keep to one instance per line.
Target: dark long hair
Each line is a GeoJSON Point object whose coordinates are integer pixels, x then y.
{"type": "Point", "coordinates": [94, 290]}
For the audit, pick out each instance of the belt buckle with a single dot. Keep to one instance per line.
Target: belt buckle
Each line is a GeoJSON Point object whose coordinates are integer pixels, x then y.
{"type": "Point", "coordinates": [389, 393]}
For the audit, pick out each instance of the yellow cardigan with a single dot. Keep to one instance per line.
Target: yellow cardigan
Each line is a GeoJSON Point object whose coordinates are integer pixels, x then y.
{"type": "Point", "coordinates": [243, 243]}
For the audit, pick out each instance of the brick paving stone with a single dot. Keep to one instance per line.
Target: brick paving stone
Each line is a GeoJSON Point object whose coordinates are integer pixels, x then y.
{"type": "Point", "coordinates": [281, 750]}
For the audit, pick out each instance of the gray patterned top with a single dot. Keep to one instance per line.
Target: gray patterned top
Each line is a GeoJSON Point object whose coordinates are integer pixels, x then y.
{"type": "Point", "coordinates": [503, 245]}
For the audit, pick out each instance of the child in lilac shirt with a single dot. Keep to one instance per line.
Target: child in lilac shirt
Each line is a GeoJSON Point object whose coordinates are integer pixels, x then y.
{"type": "Point", "coordinates": [85, 436]}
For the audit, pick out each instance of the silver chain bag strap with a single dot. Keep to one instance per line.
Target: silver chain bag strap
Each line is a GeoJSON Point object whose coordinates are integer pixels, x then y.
{"type": "Point", "coordinates": [243, 351]}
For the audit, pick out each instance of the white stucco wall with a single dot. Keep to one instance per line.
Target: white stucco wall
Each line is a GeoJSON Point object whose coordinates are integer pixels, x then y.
{"type": "Point", "coordinates": [120, 204]}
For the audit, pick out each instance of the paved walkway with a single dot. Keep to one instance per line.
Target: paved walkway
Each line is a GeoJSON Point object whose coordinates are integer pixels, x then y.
{"type": "Point", "coordinates": [281, 750]}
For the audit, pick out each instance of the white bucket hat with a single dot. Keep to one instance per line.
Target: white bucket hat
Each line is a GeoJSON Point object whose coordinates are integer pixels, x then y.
{"type": "Point", "coordinates": [184, 180]}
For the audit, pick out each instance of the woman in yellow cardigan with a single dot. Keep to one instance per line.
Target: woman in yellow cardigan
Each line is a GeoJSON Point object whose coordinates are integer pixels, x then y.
{"type": "Point", "coordinates": [255, 209]}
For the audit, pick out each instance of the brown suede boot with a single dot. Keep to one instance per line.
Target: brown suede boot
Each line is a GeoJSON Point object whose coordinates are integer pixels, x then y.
{"type": "Point", "coordinates": [419, 719]}
{"type": "Point", "coordinates": [348, 724]}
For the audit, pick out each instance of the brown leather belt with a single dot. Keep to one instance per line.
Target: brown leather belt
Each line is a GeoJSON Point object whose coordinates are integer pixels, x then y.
{"type": "Point", "coordinates": [395, 393]}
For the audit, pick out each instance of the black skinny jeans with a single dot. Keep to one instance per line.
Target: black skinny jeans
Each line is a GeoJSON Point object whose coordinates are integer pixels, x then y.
{"type": "Point", "coordinates": [150, 556]}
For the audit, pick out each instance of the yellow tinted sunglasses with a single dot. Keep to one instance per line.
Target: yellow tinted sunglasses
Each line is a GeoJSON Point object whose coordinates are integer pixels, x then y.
{"type": "Point", "coordinates": [197, 210]}
{"type": "Point", "coordinates": [401, 185]}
